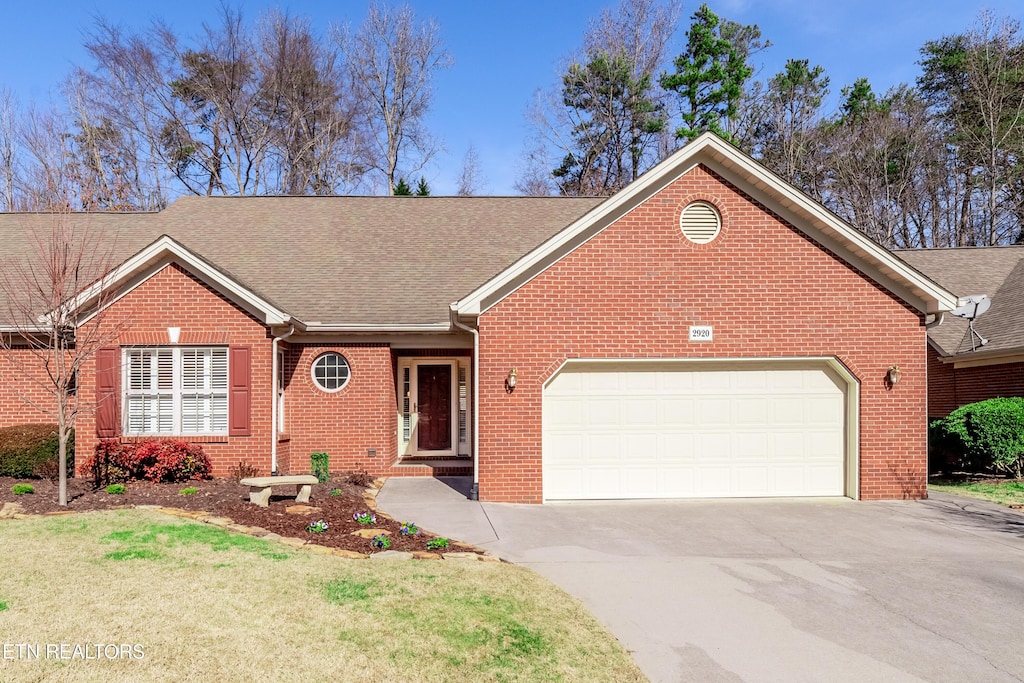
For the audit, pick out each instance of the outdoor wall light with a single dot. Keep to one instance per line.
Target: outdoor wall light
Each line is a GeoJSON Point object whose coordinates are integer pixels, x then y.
{"type": "Point", "coordinates": [893, 375]}
{"type": "Point", "coordinates": [510, 380]}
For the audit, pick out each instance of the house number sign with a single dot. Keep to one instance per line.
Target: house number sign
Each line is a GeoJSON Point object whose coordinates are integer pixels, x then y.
{"type": "Point", "coordinates": [701, 333]}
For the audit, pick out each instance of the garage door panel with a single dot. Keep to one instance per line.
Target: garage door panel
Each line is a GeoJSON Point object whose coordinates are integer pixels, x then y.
{"type": "Point", "coordinates": [714, 410]}
{"type": "Point", "coordinates": [676, 411]}
{"type": "Point", "coordinates": [625, 433]}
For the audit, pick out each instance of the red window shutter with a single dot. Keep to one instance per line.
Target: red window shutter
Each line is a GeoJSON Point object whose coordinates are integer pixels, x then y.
{"type": "Point", "coordinates": [108, 392]}
{"type": "Point", "coordinates": [240, 384]}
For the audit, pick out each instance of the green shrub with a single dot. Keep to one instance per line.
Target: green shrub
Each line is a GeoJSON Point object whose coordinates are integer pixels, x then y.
{"type": "Point", "coordinates": [439, 543]}
{"type": "Point", "coordinates": [30, 450]}
{"type": "Point", "coordinates": [22, 489]}
{"type": "Point", "coordinates": [987, 436]}
{"type": "Point", "coordinates": [321, 466]}
{"type": "Point", "coordinates": [189, 491]}
{"type": "Point", "coordinates": [116, 489]}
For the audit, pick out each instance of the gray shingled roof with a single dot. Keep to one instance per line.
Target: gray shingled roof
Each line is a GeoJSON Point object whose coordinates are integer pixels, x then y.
{"type": "Point", "coordinates": [995, 271]}
{"type": "Point", "coordinates": [337, 260]}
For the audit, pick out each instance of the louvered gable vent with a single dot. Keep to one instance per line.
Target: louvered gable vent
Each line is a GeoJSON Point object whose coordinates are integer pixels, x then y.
{"type": "Point", "coordinates": [700, 222]}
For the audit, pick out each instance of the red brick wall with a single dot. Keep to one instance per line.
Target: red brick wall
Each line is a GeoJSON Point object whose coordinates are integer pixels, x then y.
{"type": "Point", "coordinates": [633, 290]}
{"type": "Point", "coordinates": [24, 398]}
{"type": "Point", "coordinates": [950, 388]}
{"type": "Point", "coordinates": [361, 416]}
{"type": "Point", "coordinates": [174, 298]}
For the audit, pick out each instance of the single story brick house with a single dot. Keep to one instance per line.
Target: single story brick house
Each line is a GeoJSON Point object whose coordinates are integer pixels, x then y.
{"type": "Point", "coordinates": [708, 331]}
{"type": "Point", "coordinates": [965, 367]}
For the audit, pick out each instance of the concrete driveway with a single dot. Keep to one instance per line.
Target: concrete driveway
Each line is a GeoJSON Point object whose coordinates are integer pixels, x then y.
{"type": "Point", "coordinates": [760, 590]}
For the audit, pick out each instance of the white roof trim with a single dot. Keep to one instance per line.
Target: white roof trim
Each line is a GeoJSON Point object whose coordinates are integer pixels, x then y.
{"type": "Point", "coordinates": [422, 328]}
{"type": "Point", "coordinates": [166, 250]}
{"type": "Point", "coordinates": [854, 246]}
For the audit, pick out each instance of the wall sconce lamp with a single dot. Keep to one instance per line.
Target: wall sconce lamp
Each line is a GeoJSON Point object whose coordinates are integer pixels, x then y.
{"type": "Point", "coordinates": [510, 380]}
{"type": "Point", "coordinates": [893, 376]}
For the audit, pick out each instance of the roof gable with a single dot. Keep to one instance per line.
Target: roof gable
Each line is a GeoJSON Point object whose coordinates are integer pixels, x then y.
{"type": "Point", "coordinates": [807, 215]}
{"type": "Point", "coordinates": [166, 250]}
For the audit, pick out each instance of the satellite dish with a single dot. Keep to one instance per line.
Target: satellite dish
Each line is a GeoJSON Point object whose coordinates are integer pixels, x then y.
{"type": "Point", "coordinates": [972, 306]}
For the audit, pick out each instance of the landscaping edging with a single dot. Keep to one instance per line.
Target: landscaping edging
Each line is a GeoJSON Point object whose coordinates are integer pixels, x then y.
{"type": "Point", "coordinates": [460, 551]}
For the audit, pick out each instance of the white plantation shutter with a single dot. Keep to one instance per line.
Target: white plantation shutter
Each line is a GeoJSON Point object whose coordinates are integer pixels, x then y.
{"type": "Point", "coordinates": [176, 391]}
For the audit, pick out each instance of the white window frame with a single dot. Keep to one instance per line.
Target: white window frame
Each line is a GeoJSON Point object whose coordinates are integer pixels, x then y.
{"type": "Point", "coordinates": [177, 393]}
{"type": "Point", "coordinates": [322, 356]}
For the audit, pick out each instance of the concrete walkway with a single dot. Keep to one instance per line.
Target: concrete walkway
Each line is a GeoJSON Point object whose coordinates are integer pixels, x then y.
{"type": "Point", "coordinates": [768, 590]}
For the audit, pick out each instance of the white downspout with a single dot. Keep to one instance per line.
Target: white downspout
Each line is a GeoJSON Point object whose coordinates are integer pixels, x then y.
{"type": "Point", "coordinates": [474, 491]}
{"type": "Point", "coordinates": [273, 404]}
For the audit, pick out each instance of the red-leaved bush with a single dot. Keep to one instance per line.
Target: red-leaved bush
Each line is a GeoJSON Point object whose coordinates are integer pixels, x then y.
{"type": "Point", "coordinates": [154, 460]}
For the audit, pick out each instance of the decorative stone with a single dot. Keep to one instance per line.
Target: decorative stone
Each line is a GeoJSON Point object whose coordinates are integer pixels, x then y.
{"type": "Point", "coordinates": [222, 522]}
{"type": "Point", "coordinates": [60, 512]}
{"type": "Point", "coordinates": [314, 548]}
{"type": "Point", "coordinates": [240, 528]}
{"type": "Point", "coordinates": [391, 555]}
{"type": "Point", "coordinates": [461, 556]}
{"type": "Point", "coordinates": [487, 557]}
{"type": "Point", "coordinates": [424, 555]}
{"type": "Point", "coordinates": [301, 509]}
{"type": "Point", "coordinates": [292, 542]}
{"type": "Point", "coordinates": [148, 507]}
{"type": "Point", "coordinates": [348, 554]}
{"type": "Point", "coordinates": [369, 533]}
{"type": "Point", "coordinates": [9, 510]}
{"type": "Point", "coordinates": [271, 536]}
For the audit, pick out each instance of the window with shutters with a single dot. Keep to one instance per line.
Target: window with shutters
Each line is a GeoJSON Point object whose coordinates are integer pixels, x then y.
{"type": "Point", "coordinates": [175, 391]}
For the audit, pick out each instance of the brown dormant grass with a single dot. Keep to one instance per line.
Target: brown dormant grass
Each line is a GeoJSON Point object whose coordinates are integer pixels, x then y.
{"type": "Point", "coordinates": [202, 604]}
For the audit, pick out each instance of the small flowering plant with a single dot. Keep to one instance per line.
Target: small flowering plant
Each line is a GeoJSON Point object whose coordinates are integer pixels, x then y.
{"type": "Point", "coordinates": [317, 527]}
{"type": "Point", "coordinates": [365, 517]}
{"type": "Point", "coordinates": [381, 542]}
{"type": "Point", "coordinates": [409, 529]}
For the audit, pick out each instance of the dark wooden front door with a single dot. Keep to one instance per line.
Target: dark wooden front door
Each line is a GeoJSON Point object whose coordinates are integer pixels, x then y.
{"type": "Point", "coordinates": [434, 395]}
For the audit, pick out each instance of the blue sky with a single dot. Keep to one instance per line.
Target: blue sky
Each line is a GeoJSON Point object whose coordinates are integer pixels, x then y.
{"type": "Point", "coordinates": [505, 51]}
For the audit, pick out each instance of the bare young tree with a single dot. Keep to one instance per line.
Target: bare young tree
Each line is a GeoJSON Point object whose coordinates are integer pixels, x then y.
{"type": "Point", "coordinates": [45, 340]}
{"type": "Point", "coordinates": [392, 59]}
{"type": "Point", "coordinates": [471, 177]}
{"type": "Point", "coordinates": [8, 148]}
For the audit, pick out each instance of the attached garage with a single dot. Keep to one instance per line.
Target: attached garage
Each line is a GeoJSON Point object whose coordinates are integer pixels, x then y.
{"type": "Point", "coordinates": [622, 429]}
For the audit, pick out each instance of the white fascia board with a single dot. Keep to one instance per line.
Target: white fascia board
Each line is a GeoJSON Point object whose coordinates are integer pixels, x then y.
{"type": "Point", "coordinates": [710, 149]}
{"type": "Point", "coordinates": [168, 250]}
{"type": "Point", "coordinates": [424, 328]}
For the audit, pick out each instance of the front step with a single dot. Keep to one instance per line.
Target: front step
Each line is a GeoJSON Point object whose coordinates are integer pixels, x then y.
{"type": "Point", "coordinates": [433, 467]}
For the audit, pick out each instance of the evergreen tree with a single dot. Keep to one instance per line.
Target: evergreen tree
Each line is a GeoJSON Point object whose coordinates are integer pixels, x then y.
{"type": "Point", "coordinates": [422, 189]}
{"type": "Point", "coordinates": [711, 73]}
{"type": "Point", "coordinates": [402, 189]}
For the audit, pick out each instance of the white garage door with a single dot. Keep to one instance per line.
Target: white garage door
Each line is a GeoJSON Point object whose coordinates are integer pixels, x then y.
{"type": "Point", "coordinates": [630, 430]}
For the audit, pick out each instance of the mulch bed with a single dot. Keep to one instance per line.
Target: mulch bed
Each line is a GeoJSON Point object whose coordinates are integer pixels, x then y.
{"type": "Point", "coordinates": [228, 498]}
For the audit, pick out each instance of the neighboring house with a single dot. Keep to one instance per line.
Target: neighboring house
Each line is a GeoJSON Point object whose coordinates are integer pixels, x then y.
{"type": "Point", "coordinates": [708, 331]}
{"type": "Point", "coordinates": [960, 369]}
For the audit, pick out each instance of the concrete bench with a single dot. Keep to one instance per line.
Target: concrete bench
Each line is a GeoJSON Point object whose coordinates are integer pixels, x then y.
{"type": "Point", "coordinates": [259, 492]}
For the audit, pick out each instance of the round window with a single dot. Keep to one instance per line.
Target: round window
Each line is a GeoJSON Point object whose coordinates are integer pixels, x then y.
{"type": "Point", "coordinates": [330, 371]}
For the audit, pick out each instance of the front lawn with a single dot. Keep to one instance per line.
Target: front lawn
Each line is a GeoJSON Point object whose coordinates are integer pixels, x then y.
{"type": "Point", "coordinates": [136, 595]}
{"type": "Point", "coordinates": [1002, 491]}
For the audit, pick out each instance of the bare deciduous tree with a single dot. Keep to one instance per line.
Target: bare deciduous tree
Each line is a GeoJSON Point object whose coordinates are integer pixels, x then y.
{"type": "Point", "coordinates": [392, 59]}
{"type": "Point", "coordinates": [605, 120]}
{"type": "Point", "coordinates": [471, 178]}
{"type": "Point", "coordinates": [45, 339]}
